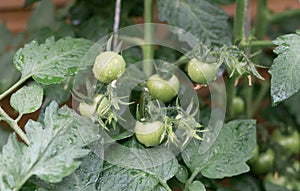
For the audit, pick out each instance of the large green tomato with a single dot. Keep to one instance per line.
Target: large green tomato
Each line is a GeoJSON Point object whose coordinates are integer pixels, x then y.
{"type": "Point", "coordinates": [264, 162]}
{"type": "Point", "coordinates": [149, 134]}
{"type": "Point", "coordinates": [291, 143]}
{"type": "Point", "coordinates": [108, 66]}
{"type": "Point", "coordinates": [163, 90]}
{"type": "Point", "coordinates": [201, 72]}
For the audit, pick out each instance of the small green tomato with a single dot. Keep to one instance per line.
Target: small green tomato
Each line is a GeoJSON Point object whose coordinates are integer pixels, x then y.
{"type": "Point", "coordinates": [238, 105]}
{"type": "Point", "coordinates": [87, 110]}
{"type": "Point", "coordinates": [108, 66]}
{"type": "Point", "coordinates": [201, 72]}
{"type": "Point", "coordinates": [149, 134]}
{"type": "Point", "coordinates": [290, 142]}
{"type": "Point", "coordinates": [163, 90]}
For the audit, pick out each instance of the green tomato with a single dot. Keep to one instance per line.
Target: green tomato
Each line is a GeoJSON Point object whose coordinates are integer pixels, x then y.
{"type": "Point", "coordinates": [149, 134]}
{"type": "Point", "coordinates": [87, 110]}
{"type": "Point", "coordinates": [291, 143]}
{"type": "Point", "coordinates": [108, 66]}
{"type": "Point", "coordinates": [255, 155]}
{"type": "Point", "coordinates": [163, 90]}
{"type": "Point", "coordinates": [238, 105]}
{"type": "Point", "coordinates": [201, 72]}
{"type": "Point", "coordinates": [280, 180]}
{"type": "Point", "coordinates": [264, 163]}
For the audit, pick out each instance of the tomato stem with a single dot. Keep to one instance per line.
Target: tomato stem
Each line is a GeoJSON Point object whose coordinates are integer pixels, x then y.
{"type": "Point", "coordinates": [231, 91]}
{"type": "Point", "coordinates": [263, 91]}
{"type": "Point", "coordinates": [284, 15]}
{"type": "Point", "coordinates": [14, 125]}
{"type": "Point", "coordinates": [165, 185]}
{"type": "Point", "coordinates": [148, 49]}
{"type": "Point", "coordinates": [12, 88]}
{"type": "Point", "coordinates": [239, 21]}
{"type": "Point", "coordinates": [192, 177]}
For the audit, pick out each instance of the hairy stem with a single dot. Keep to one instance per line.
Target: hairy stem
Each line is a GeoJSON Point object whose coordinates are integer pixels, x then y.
{"type": "Point", "coordinates": [231, 92]}
{"type": "Point", "coordinates": [261, 95]}
{"type": "Point", "coordinates": [12, 88]}
{"type": "Point", "coordinates": [116, 23]}
{"type": "Point", "coordinates": [284, 15]}
{"type": "Point", "coordinates": [14, 125]}
{"type": "Point", "coordinates": [148, 49]}
{"type": "Point", "coordinates": [239, 21]}
{"type": "Point", "coordinates": [192, 177]}
{"type": "Point", "coordinates": [257, 44]}
{"type": "Point", "coordinates": [165, 185]}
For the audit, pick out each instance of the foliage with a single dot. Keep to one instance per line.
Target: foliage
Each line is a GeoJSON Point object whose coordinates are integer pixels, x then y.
{"type": "Point", "coordinates": [46, 67]}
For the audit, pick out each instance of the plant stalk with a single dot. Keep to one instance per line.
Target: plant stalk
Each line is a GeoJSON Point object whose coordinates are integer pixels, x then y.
{"type": "Point", "coordinates": [284, 15]}
{"type": "Point", "coordinates": [12, 88]}
{"type": "Point", "coordinates": [239, 21]}
{"type": "Point", "coordinates": [148, 49]}
{"type": "Point", "coordinates": [165, 185]}
{"type": "Point", "coordinates": [14, 125]}
{"type": "Point", "coordinates": [239, 35]}
{"type": "Point", "coordinates": [263, 91]}
{"type": "Point", "coordinates": [192, 177]}
{"type": "Point", "coordinates": [231, 92]}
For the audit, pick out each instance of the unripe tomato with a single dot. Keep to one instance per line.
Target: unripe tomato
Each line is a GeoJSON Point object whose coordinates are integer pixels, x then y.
{"type": "Point", "coordinates": [201, 72]}
{"type": "Point", "coordinates": [149, 134]}
{"type": "Point", "coordinates": [255, 155]}
{"type": "Point", "coordinates": [87, 110]}
{"type": "Point", "coordinates": [291, 143]}
{"type": "Point", "coordinates": [238, 105]}
{"type": "Point", "coordinates": [264, 163]}
{"type": "Point", "coordinates": [163, 90]}
{"type": "Point", "coordinates": [280, 180]}
{"type": "Point", "coordinates": [108, 66]}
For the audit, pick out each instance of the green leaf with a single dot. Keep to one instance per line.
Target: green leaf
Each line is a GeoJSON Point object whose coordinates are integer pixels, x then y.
{"type": "Point", "coordinates": [28, 99]}
{"type": "Point", "coordinates": [196, 186]}
{"type": "Point", "coordinates": [182, 174]}
{"type": "Point", "coordinates": [229, 153]}
{"type": "Point", "coordinates": [116, 178]}
{"type": "Point", "coordinates": [134, 169]}
{"type": "Point", "coordinates": [84, 178]}
{"type": "Point", "coordinates": [293, 106]}
{"type": "Point", "coordinates": [54, 150]}
{"type": "Point", "coordinates": [52, 61]}
{"type": "Point", "coordinates": [285, 70]}
{"type": "Point", "coordinates": [158, 162]}
{"type": "Point", "coordinates": [205, 20]}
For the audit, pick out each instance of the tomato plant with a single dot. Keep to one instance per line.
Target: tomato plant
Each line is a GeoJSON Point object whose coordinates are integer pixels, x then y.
{"type": "Point", "coordinates": [151, 95]}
